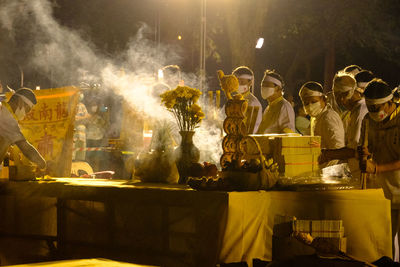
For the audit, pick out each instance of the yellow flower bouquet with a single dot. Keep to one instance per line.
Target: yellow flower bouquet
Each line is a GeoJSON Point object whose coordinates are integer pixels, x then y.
{"type": "Point", "coordinates": [181, 101]}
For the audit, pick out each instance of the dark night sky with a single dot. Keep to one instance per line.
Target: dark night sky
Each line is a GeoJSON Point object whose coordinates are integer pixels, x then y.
{"type": "Point", "coordinates": [111, 24]}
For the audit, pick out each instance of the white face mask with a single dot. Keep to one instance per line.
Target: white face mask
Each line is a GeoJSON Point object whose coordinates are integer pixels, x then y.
{"type": "Point", "coordinates": [243, 89]}
{"type": "Point", "coordinates": [267, 92]}
{"type": "Point", "coordinates": [313, 109]}
{"type": "Point", "coordinates": [378, 116]}
{"type": "Point", "coordinates": [20, 113]}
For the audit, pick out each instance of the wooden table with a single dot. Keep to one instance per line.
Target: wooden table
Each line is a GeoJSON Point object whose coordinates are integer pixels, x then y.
{"type": "Point", "coordinates": [82, 262]}
{"type": "Point", "coordinates": [177, 226]}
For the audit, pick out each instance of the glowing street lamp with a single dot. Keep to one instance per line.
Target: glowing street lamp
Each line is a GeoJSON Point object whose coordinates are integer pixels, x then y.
{"type": "Point", "coordinates": [160, 74]}
{"type": "Point", "coordinates": [260, 43]}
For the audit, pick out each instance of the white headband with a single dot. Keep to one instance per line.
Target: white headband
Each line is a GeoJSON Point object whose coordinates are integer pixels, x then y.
{"type": "Point", "coordinates": [26, 100]}
{"type": "Point", "coordinates": [378, 101]}
{"type": "Point", "coordinates": [360, 90]}
{"type": "Point", "coordinates": [308, 92]}
{"type": "Point", "coordinates": [246, 76]}
{"type": "Point", "coordinates": [273, 80]}
{"type": "Point", "coordinates": [342, 88]}
{"type": "Point", "coordinates": [362, 84]}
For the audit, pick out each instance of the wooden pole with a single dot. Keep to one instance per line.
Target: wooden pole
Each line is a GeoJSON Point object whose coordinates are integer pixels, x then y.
{"type": "Point", "coordinates": [364, 175]}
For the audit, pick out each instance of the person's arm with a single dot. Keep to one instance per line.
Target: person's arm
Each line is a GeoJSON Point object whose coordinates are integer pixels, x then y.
{"type": "Point", "coordinates": [31, 153]}
{"type": "Point", "coordinates": [286, 119]}
{"type": "Point", "coordinates": [388, 167]}
{"type": "Point", "coordinates": [259, 117]}
{"type": "Point", "coordinates": [371, 166]}
{"type": "Point", "coordinates": [333, 132]}
{"type": "Point", "coordinates": [341, 153]}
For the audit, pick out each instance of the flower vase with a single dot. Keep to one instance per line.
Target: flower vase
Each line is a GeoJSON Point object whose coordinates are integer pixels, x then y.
{"type": "Point", "coordinates": [185, 155]}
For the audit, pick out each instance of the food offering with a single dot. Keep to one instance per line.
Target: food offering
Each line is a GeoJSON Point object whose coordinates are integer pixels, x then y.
{"type": "Point", "coordinates": [206, 177]}
{"type": "Point", "coordinates": [244, 167]}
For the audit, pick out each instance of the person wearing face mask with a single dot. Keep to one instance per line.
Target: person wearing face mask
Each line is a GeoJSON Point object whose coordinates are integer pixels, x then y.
{"type": "Point", "coordinates": [246, 88]}
{"type": "Point", "coordinates": [325, 122]}
{"type": "Point", "coordinates": [350, 96]}
{"type": "Point", "coordinates": [382, 124]}
{"type": "Point", "coordinates": [342, 111]}
{"type": "Point", "coordinates": [279, 116]}
{"type": "Point", "coordinates": [11, 112]}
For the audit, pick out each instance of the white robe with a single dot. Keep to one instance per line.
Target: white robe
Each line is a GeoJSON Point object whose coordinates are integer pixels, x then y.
{"type": "Point", "coordinates": [353, 130]}
{"type": "Point", "coordinates": [329, 126]}
{"type": "Point", "coordinates": [279, 115]}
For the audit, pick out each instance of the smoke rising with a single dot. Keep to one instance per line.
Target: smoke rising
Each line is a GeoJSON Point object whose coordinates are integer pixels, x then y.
{"type": "Point", "coordinates": [66, 56]}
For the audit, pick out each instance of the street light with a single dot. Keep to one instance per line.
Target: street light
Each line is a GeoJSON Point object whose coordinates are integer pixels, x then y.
{"type": "Point", "coordinates": [260, 43]}
{"type": "Point", "coordinates": [160, 74]}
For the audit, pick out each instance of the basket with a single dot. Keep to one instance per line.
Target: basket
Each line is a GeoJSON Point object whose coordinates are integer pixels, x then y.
{"type": "Point", "coordinates": [250, 181]}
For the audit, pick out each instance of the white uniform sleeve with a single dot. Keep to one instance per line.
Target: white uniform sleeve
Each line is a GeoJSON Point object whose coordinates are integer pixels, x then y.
{"type": "Point", "coordinates": [9, 128]}
{"type": "Point", "coordinates": [287, 117]}
{"type": "Point", "coordinates": [259, 116]}
{"type": "Point", "coordinates": [333, 131]}
{"type": "Point", "coordinates": [356, 131]}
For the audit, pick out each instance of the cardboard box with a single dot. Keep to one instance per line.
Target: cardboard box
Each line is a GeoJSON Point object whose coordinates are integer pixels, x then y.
{"type": "Point", "coordinates": [297, 145]}
{"type": "Point", "coordinates": [297, 165]}
{"type": "Point", "coordinates": [295, 155]}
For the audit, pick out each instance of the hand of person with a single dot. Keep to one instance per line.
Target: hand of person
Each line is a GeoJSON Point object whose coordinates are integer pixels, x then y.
{"type": "Point", "coordinates": [315, 144]}
{"type": "Point", "coordinates": [362, 152]}
{"type": "Point", "coordinates": [368, 166]}
{"type": "Point", "coordinates": [324, 157]}
{"type": "Point", "coordinates": [40, 172]}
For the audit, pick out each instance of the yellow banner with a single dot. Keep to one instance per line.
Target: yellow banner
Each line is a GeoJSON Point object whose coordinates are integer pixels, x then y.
{"type": "Point", "coordinates": [49, 127]}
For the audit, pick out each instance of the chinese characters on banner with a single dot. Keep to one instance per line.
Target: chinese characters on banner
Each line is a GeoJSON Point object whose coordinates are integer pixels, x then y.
{"type": "Point", "coordinates": [49, 127]}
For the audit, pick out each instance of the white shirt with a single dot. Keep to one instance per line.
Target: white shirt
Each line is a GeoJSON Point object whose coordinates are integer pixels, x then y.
{"type": "Point", "coordinates": [329, 126]}
{"type": "Point", "coordinates": [10, 133]}
{"type": "Point", "coordinates": [353, 130]}
{"type": "Point", "coordinates": [302, 125]}
{"type": "Point", "coordinates": [253, 102]}
{"type": "Point", "coordinates": [277, 116]}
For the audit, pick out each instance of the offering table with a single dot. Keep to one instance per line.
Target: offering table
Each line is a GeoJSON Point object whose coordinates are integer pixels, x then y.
{"type": "Point", "coordinates": [172, 225]}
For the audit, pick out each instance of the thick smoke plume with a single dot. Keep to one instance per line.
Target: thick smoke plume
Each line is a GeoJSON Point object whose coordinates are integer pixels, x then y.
{"type": "Point", "coordinates": [65, 56]}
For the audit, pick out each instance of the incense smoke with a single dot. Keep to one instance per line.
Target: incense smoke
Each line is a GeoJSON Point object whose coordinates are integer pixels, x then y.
{"type": "Point", "coordinates": [66, 56]}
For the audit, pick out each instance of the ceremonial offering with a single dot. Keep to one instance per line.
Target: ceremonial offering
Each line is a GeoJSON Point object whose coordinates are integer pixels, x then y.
{"type": "Point", "coordinates": [293, 237]}
{"type": "Point", "coordinates": [230, 85]}
{"type": "Point", "coordinates": [320, 228]}
{"type": "Point", "coordinates": [157, 165]}
{"type": "Point", "coordinates": [295, 155]}
{"type": "Point", "coordinates": [181, 102]}
{"type": "Point", "coordinates": [243, 164]}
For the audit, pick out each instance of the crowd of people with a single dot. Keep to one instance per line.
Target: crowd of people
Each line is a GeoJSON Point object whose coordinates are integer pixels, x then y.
{"type": "Point", "coordinates": [358, 121]}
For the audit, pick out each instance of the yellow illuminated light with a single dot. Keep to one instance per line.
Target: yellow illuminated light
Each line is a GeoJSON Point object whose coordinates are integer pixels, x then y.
{"type": "Point", "coordinates": [179, 37]}
{"type": "Point", "coordinates": [160, 74]}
